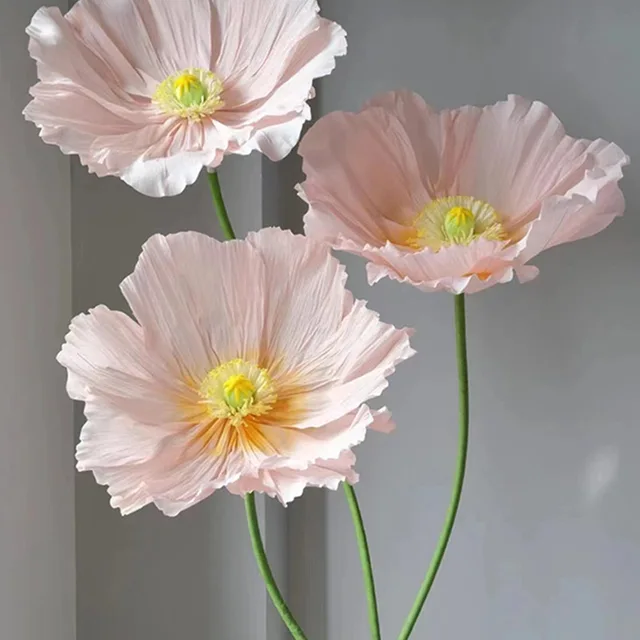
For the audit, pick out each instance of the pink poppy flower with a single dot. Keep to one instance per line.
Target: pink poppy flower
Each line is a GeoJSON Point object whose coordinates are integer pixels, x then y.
{"type": "Point", "coordinates": [456, 200]}
{"type": "Point", "coordinates": [152, 91]}
{"type": "Point", "coordinates": [248, 369]}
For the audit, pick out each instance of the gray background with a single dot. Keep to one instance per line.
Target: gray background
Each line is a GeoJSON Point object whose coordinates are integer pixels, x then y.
{"type": "Point", "coordinates": [37, 568]}
{"type": "Point", "coordinates": [547, 546]}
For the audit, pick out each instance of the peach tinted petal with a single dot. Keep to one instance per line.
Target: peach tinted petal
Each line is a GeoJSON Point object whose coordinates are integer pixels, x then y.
{"type": "Point", "coordinates": [456, 268]}
{"type": "Point", "coordinates": [382, 422]}
{"type": "Point", "coordinates": [425, 130]}
{"type": "Point", "coordinates": [142, 463]}
{"type": "Point", "coordinates": [160, 38]}
{"type": "Point", "coordinates": [108, 362]}
{"type": "Point", "coordinates": [60, 56]}
{"type": "Point", "coordinates": [305, 296]}
{"type": "Point", "coordinates": [340, 351]}
{"type": "Point", "coordinates": [158, 160]}
{"type": "Point", "coordinates": [173, 479]}
{"type": "Point", "coordinates": [109, 440]}
{"type": "Point", "coordinates": [162, 160]}
{"type": "Point", "coordinates": [272, 89]}
{"type": "Point", "coordinates": [588, 208]}
{"type": "Point", "coordinates": [289, 484]}
{"type": "Point", "coordinates": [195, 299]}
{"type": "Point", "coordinates": [168, 176]}
{"type": "Point", "coordinates": [178, 482]}
{"type": "Point", "coordinates": [272, 74]}
{"type": "Point", "coordinates": [358, 179]}
{"type": "Point", "coordinates": [300, 447]}
{"type": "Point", "coordinates": [526, 273]}
{"type": "Point", "coordinates": [74, 104]}
{"type": "Point", "coordinates": [73, 122]}
{"type": "Point", "coordinates": [176, 477]}
{"type": "Point", "coordinates": [513, 155]}
{"type": "Point", "coordinates": [126, 488]}
{"type": "Point", "coordinates": [67, 67]}
{"type": "Point", "coordinates": [353, 367]}
{"type": "Point", "coordinates": [275, 137]}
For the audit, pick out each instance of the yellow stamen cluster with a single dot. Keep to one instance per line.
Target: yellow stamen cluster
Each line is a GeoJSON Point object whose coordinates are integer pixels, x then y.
{"type": "Point", "coordinates": [236, 391]}
{"type": "Point", "coordinates": [192, 94]}
{"type": "Point", "coordinates": [239, 391]}
{"type": "Point", "coordinates": [189, 90]}
{"type": "Point", "coordinates": [454, 220]}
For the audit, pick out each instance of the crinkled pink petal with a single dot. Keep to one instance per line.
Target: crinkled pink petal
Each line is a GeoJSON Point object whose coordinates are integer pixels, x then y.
{"type": "Point", "coordinates": [100, 65]}
{"type": "Point", "coordinates": [341, 351]}
{"type": "Point", "coordinates": [268, 89]}
{"type": "Point", "coordinates": [143, 464]}
{"type": "Point", "coordinates": [590, 206]}
{"type": "Point", "coordinates": [162, 160]}
{"type": "Point", "coordinates": [275, 137]}
{"type": "Point", "coordinates": [272, 74]}
{"type": "Point", "coordinates": [109, 364]}
{"type": "Point", "coordinates": [382, 421]}
{"type": "Point", "coordinates": [178, 482]}
{"type": "Point", "coordinates": [198, 300]}
{"type": "Point", "coordinates": [431, 271]}
{"type": "Point", "coordinates": [127, 490]}
{"type": "Point", "coordinates": [153, 37]}
{"type": "Point", "coordinates": [62, 58]}
{"type": "Point", "coordinates": [160, 177]}
{"type": "Point", "coordinates": [358, 180]}
{"type": "Point", "coordinates": [369, 174]}
{"type": "Point", "coordinates": [511, 154]}
{"type": "Point", "coordinates": [289, 484]}
{"type": "Point", "coordinates": [112, 439]}
{"type": "Point", "coordinates": [353, 367]}
{"type": "Point", "coordinates": [305, 297]}
{"type": "Point", "coordinates": [174, 479]}
{"type": "Point", "coordinates": [424, 131]}
{"type": "Point", "coordinates": [298, 448]}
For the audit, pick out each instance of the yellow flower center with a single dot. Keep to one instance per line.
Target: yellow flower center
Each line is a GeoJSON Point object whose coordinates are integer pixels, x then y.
{"type": "Point", "coordinates": [237, 390]}
{"type": "Point", "coordinates": [454, 220]}
{"type": "Point", "coordinates": [192, 94]}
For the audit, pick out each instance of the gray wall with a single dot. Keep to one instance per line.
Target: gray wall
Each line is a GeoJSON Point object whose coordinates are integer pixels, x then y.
{"type": "Point", "coordinates": [37, 570]}
{"type": "Point", "coordinates": [548, 541]}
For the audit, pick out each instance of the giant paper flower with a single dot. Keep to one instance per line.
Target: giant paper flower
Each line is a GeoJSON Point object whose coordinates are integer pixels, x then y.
{"type": "Point", "coordinates": [248, 369]}
{"type": "Point", "coordinates": [455, 200]}
{"type": "Point", "coordinates": [152, 91]}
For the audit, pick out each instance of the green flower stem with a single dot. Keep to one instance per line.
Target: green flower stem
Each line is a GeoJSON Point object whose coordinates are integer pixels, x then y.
{"type": "Point", "coordinates": [365, 560]}
{"type": "Point", "coordinates": [265, 571]}
{"type": "Point", "coordinates": [250, 502]}
{"type": "Point", "coordinates": [221, 209]}
{"type": "Point", "coordinates": [463, 387]}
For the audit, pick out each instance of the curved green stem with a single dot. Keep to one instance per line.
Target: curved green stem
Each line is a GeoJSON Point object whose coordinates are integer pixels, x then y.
{"type": "Point", "coordinates": [221, 209]}
{"type": "Point", "coordinates": [463, 387]}
{"type": "Point", "coordinates": [265, 570]}
{"type": "Point", "coordinates": [250, 502]}
{"type": "Point", "coordinates": [365, 560]}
